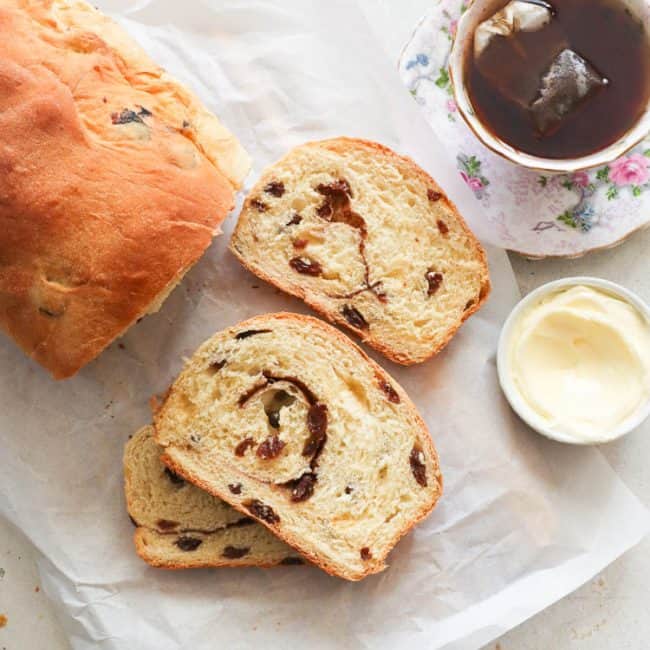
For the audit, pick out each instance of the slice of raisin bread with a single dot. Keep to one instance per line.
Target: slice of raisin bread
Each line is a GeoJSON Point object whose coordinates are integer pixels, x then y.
{"type": "Point", "coordinates": [369, 240]}
{"type": "Point", "coordinates": [182, 527]}
{"type": "Point", "coordinates": [325, 448]}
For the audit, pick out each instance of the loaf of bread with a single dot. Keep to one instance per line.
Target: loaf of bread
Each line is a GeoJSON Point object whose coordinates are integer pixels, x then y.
{"type": "Point", "coordinates": [367, 239]}
{"type": "Point", "coordinates": [179, 526]}
{"type": "Point", "coordinates": [113, 181]}
{"type": "Point", "coordinates": [291, 423]}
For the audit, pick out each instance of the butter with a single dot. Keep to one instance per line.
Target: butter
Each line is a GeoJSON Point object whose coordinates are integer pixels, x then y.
{"type": "Point", "coordinates": [580, 359]}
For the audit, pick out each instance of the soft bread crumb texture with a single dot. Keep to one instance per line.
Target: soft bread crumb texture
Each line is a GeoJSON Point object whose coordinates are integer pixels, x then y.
{"type": "Point", "coordinates": [397, 264]}
{"type": "Point", "coordinates": [179, 526]}
{"type": "Point", "coordinates": [114, 180]}
{"type": "Point", "coordinates": [247, 409]}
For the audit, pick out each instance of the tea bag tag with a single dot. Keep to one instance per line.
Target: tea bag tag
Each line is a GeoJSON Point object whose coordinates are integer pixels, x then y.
{"type": "Point", "coordinates": [517, 15]}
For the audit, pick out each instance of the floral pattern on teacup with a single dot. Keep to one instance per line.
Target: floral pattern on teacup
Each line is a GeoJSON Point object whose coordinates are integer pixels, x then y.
{"type": "Point", "coordinates": [470, 171]}
{"type": "Point", "coordinates": [539, 215]}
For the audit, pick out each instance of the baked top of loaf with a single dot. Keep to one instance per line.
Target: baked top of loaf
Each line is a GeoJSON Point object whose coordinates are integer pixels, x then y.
{"type": "Point", "coordinates": [113, 181]}
{"type": "Point", "coordinates": [179, 526]}
{"type": "Point", "coordinates": [369, 240]}
{"type": "Point", "coordinates": [327, 449]}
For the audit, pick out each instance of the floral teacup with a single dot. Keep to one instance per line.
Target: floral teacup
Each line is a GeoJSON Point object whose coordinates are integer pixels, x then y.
{"type": "Point", "coordinates": [628, 171]}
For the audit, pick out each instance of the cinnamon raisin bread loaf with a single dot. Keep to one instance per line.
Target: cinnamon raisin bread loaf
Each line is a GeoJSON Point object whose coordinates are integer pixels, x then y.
{"type": "Point", "coordinates": [369, 240]}
{"type": "Point", "coordinates": [324, 447]}
{"type": "Point", "coordinates": [113, 181]}
{"type": "Point", "coordinates": [181, 527]}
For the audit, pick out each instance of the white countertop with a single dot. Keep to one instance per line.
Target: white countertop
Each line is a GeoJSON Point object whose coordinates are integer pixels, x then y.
{"type": "Point", "coordinates": [610, 612]}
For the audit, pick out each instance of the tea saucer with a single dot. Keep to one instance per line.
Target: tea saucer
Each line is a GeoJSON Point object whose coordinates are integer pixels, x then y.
{"type": "Point", "coordinates": [531, 213]}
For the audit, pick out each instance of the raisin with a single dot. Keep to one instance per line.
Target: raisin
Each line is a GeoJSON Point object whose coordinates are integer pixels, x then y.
{"type": "Point", "coordinates": [305, 266]}
{"type": "Point", "coordinates": [248, 333]}
{"type": "Point", "coordinates": [434, 281]}
{"type": "Point", "coordinates": [336, 205]}
{"type": "Point", "coordinates": [235, 488]}
{"type": "Point", "coordinates": [144, 112]}
{"type": "Point", "coordinates": [165, 524]}
{"type": "Point", "coordinates": [389, 391]}
{"type": "Point", "coordinates": [195, 438]}
{"type": "Point", "coordinates": [290, 561]}
{"type": "Point", "coordinates": [260, 206]}
{"type": "Point", "coordinates": [244, 446]}
{"type": "Point", "coordinates": [335, 188]}
{"type": "Point", "coordinates": [303, 488]}
{"type": "Point", "coordinates": [215, 366]}
{"type": "Point", "coordinates": [126, 116]}
{"type": "Point", "coordinates": [279, 400]}
{"type": "Point", "coordinates": [295, 220]}
{"type": "Point", "coordinates": [442, 227]}
{"type": "Point", "coordinates": [262, 511]}
{"type": "Point", "coordinates": [365, 554]}
{"type": "Point", "coordinates": [185, 124]}
{"type": "Point", "coordinates": [174, 477]}
{"type": "Point", "coordinates": [418, 467]}
{"type": "Point", "coordinates": [354, 317]}
{"type": "Point", "coordinates": [270, 448]}
{"type": "Point", "coordinates": [349, 489]}
{"type": "Point", "coordinates": [317, 425]}
{"type": "Point", "coordinates": [433, 196]}
{"type": "Point", "coordinates": [235, 552]}
{"type": "Point", "coordinates": [275, 188]}
{"type": "Point", "coordinates": [246, 521]}
{"type": "Point", "coordinates": [188, 543]}
{"type": "Point", "coordinates": [274, 419]}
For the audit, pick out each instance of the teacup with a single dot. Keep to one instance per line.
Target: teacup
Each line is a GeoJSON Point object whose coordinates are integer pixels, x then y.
{"type": "Point", "coordinates": [477, 12]}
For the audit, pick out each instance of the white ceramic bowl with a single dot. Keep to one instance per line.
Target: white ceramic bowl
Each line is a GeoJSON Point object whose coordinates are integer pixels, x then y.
{"type": "Point", "coordinates": [519, 405]}
{"type": "Point", "coordinates": [481, 10]}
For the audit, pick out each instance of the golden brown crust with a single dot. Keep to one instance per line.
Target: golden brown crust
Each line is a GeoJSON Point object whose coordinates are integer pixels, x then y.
{"type": "Point", "coordinates": [378, 563]}
{"type": "Point", "coordinates": [402, 357]}
{"type": "Point", "coordinates": [106, 196]}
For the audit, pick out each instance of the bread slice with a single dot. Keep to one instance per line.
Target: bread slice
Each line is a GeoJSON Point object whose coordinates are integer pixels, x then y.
{"type": "Point", "coordinates": [369, 240]}
{"type": "Point", "coordinates": [115, 179]}
{"type": "Point", "coordinates": [179, 526]}
{"type": "Point", "coordinates": [325, 448]}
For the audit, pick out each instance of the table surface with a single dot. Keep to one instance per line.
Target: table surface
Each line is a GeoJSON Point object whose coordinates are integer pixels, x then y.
{"type": "Point", "coordinates": [608, 612]}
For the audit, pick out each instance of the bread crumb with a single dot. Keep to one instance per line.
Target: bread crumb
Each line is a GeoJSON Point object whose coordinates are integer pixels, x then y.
{"type": "Point", "coordinates": [3, 620]}
{"type": "Point", "coordinates": [37, 589]}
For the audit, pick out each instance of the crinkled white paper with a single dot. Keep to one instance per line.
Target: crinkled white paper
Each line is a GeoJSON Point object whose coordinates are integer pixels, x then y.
{"type": "Point", "coordinates": [523, 521]}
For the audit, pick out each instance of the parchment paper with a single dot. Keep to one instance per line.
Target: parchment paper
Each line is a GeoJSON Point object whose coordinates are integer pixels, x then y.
{"type": "Point", "coordinates": [523, 521]}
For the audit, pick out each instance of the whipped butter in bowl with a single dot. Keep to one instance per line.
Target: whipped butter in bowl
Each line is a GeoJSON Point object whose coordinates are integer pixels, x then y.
{"type": "Point", "coordinates": [574, 360]}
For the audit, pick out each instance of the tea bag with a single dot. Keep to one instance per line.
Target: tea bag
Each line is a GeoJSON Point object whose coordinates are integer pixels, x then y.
{"type": "Point", "coordinates": [567, 83]}
{"type": "Point", "coordinates": [517, 15]}
{"type": "Point", "coordinates": [502, 58]}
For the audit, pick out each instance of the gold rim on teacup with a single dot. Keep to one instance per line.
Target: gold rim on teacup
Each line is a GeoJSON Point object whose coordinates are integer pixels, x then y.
{"type": "Point", "coordinates": [477, 12]}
